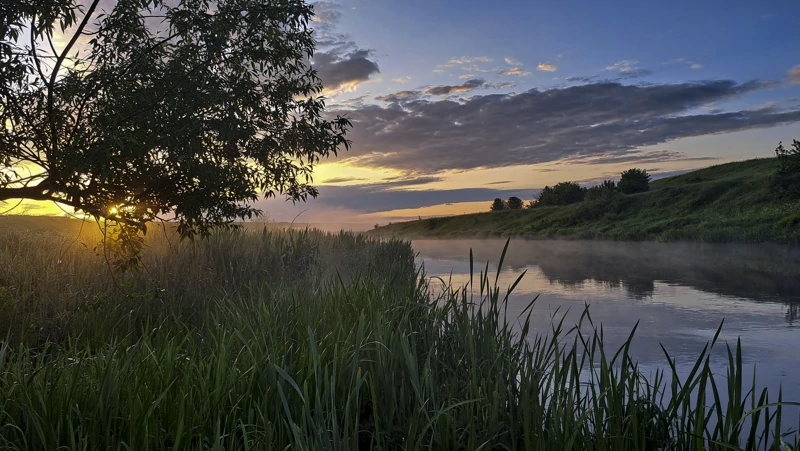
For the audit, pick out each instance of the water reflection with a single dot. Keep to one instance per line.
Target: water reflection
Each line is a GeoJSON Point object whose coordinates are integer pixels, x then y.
{"type": "Point", "coordinates": [759, 273]}
{"type": "Point", "coordinates": [678, 293]}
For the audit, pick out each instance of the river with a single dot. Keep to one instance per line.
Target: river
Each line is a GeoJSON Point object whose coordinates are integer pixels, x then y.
{"type": "Point", "coordinates": [678, 293]}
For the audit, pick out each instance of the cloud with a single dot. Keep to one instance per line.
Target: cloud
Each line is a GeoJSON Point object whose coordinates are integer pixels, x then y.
{"type": "Point", "coordinates": [624, 66]}
{"type": "Point", "coordinates": [355, 100]}
{"type": "Point", "coordinates": [468, 63]}
{"type": "Point", "coordinates": [500, 182]}
{"type": "Point", "coordinates": [544, 67]}
{"type": "Point", "coordinates": [635, 156]}
{"type": "Point", "coordinates": [469, 85]}
{"type": "Point", "coordinates": [401, 80]}
{"type": "Point", "coordinates": [583, 79]}
{"type": "Point", "coordinates": [513, 62]}
{"type": "Point", "coordinates": [400, 96]}
{"type": "Point", "coordinates": [344, 71]}
{"type": "Point", "coordinates": [344, 180]}
{"type": "Point", "coordinates": [514, 72]}
{"type": "Point", "coordinates": [794, 74]}
{"type": "Point", "coordinates": [469, 60]}
{"type": "Point", "coordinates": [466, 76]}
{"type": "Point", "coordinates": [541, 126]}
{"type": "Point", "coordinates": [503, 85]}
{"type": "Point", "coordinates": [340, 63]}
{"type": "Point", "coordinates": [378, 197]}
{"type": "Point", "coordinates": [692, 64]}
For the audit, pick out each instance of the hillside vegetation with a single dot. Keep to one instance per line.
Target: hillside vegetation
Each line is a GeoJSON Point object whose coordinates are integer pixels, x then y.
{"type": "Point", "coordinates": [733, 202]}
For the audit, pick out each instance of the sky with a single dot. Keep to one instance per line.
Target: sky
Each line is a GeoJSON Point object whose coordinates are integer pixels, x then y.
{"type": "Point", "coordinates": [454, 103]}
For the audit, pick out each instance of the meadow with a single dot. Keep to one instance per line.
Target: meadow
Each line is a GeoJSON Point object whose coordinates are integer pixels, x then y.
{"type": "Point", "coordinates": [264, 339]}
{"type": "Point", "coordinates": [733, 202]}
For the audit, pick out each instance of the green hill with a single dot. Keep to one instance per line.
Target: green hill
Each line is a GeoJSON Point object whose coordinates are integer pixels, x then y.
{"type": "Point", "coordinates": [732, 202]}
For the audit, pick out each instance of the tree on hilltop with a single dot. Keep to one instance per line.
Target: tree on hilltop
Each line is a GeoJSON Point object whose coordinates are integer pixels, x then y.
{"type": "Point", "coordinates": [514, 203]}
{"type": "Point", "coordinates": [634, 181]}
{"type": "Point", "coordinates": [497, 205]}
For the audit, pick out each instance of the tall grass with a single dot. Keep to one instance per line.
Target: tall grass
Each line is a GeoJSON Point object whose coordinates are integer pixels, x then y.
{"type": "Point", "coordinates": [303, 340]}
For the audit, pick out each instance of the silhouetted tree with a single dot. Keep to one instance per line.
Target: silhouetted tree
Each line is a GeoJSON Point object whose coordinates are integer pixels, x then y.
{"type": "Point", "coordinates": [193, 119]}
{"type": "Point", "coordinates": [787, 180]}
{"type": "Point", "coordinates": [498, 205]}
{"type": "Point", "coordinates": [563, 193]}
{"type": "Point", "coordinates": [514, 203]}
{"type": "Point", "coordinates": [634, 181]}
{"type": "Point", "coordinates": [601, 191]}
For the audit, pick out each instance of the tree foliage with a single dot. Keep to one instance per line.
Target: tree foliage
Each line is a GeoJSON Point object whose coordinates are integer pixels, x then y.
{"type": "Point", "coordinates": [602, 191]}
{"type": "Point", "coordinates": [189, 110]}
{"type": "Point", "coordinates": [789, 159]}
{"type": "Point", "coordinates": [498, 205]}
{"type": "Point", "coordinates": [514, 203]}
{"type": "Point", "coordinates": [787, 180]}
{"type": "Point", "coordinates": [634, 181]}
{"type": "Point", "coordinates": [563, 193]}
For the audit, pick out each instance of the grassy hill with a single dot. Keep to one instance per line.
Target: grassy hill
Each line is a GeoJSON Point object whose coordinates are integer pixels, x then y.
{"type": "Point", "coordinates": [732, 202]}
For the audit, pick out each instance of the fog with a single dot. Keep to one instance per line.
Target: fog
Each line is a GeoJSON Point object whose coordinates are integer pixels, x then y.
{"type": "Point", "coordinates": [678, 294]}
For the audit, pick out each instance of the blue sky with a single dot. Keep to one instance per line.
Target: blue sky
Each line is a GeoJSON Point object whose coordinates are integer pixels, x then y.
{"type": "Point", "coordinates": [457, 102]}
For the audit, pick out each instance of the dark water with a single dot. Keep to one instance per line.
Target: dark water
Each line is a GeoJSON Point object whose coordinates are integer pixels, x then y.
{"type": "Point", "coordinates": [679, 294]}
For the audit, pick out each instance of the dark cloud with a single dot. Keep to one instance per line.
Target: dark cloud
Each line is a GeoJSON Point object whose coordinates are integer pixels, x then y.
{"type": "Point", "coordinates": [400, 96]}
{"type": "Point", "coordinates": [337, 70]}
{"type": "Point", "coordinates": [500, 182]}
{"type": "Point", "coordinates": [378, 197]}
{"type": "Point", "coordinates": [469, 85]}
{"type": "Point", "coordinates": [635, 73]}
{"type": "Point", "coordinates": [344, 179]}
{"type": "Point", "coordinates": [340, 63]}
{"type": "Point", "coordinates": [633, 156]}
{"type": "Point", "coordinates": [585, 79]}
{"type": "Point", "coordinates": [355, 100]}
{"type": "Point", "coordinates": [539, 126]}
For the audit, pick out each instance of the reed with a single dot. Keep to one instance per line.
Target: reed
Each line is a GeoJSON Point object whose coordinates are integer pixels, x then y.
{"type": "Point", "coordinates": [305, 340]}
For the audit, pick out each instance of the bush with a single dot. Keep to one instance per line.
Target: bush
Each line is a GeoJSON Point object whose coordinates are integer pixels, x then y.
{"type": "Point", "coordinates": [564, 193]}
{"type": "Point", "coordinates": [498, 205]}
{"type": "Point", "coordinates": [789, 159]}
{"type": "Point", "coordinates": [514, 203]}
{"type": "Point", "coordinates": [602, 191]}
{"type": "Point", "coordinates": [634, 181]}
{"type": "Point", "coordinates": [787, 180]}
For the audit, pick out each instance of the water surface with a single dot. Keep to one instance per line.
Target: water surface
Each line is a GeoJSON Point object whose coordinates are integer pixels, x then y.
{"type": "Point", "coordinates": [678, 293]}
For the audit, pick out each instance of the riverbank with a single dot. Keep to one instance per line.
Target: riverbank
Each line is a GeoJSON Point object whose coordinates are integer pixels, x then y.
{"type": "Point", "coordinates": [733, 202]}
{"type": "Point", "coordinates": [301, 339]}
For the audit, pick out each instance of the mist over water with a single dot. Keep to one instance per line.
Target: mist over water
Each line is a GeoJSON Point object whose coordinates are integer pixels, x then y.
{"type": "Point", "coordinates": [679, 294]}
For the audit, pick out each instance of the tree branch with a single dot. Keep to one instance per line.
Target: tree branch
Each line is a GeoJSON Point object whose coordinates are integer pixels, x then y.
{"type": "Point", "coordinates": [57, 67]}
{"type": "Point", "coordinates": [36, 192]}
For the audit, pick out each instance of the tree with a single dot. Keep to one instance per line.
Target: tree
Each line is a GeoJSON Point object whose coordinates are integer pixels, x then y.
{"type": "Point", "coordinates": [787, 179]}
{"type": "Point", "coordinates": [788, 159]}
{"type": "Point", "coordinates": [634, 181]}
{"type": "Point", "coordinates": [602, 191]}
{"type": "Point", "coordinates": [564, 193]}
{"type": "Point", "coordinates": [498, 205]}
{"type": "Point", "coordinates": [514, 203]}
{"type": "Point", "coordinates": [189, 110]}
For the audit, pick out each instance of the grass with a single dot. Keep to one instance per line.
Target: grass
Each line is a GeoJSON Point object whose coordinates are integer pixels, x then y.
{"type": "Point", "coordinates": [732, 202]}
{"type": "Point", "coordinates": [305, 340]}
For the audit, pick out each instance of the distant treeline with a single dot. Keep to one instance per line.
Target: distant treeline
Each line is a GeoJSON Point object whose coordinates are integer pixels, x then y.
{"type": "Point", "coordinates": [631, 181]}
{"type": "Point", "coordinates": [785, 183]}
